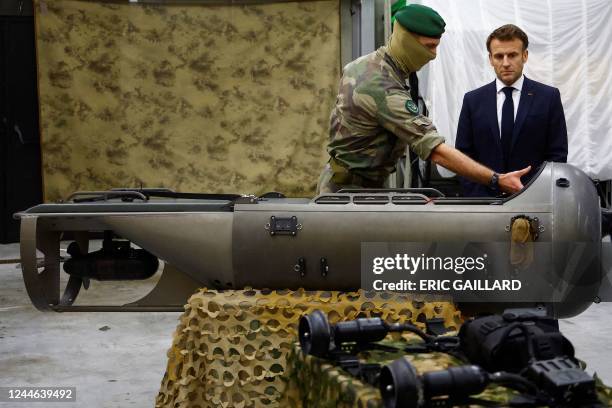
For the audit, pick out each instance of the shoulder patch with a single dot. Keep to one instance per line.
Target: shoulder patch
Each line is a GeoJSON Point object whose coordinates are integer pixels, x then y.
{"type": "Point", "coordinates": [411, 107]}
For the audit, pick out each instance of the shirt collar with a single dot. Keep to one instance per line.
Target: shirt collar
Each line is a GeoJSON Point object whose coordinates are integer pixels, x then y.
{"type": "Point", "coordinates": [518, 84]}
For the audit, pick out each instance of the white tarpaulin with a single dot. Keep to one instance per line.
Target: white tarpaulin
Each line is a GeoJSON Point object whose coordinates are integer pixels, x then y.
{"type": "Point", "coordinates": [570, 47]}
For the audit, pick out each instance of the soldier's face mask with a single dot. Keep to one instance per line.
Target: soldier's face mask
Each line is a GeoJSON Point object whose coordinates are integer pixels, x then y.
{"type": "Point", "coordinates": [407, 51]}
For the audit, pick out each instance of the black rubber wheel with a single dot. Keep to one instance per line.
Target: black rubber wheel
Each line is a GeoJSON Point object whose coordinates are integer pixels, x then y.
{"type": "Point", "coordinates": [399, 385]}
{"type": "Point", "coordinates": [315, 334]}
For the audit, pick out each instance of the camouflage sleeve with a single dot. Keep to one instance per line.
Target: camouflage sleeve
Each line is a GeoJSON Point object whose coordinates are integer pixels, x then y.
{"type": "Point", "coordinates": [394, 110]}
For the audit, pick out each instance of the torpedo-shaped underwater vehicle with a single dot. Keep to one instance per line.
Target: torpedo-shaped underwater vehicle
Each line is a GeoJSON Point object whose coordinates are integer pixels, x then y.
{"type": "Point", "coordinates": [233, 241]}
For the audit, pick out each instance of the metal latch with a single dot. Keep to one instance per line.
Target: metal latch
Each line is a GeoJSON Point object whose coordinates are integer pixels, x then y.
{"type": "Point", "coordinates": [300, 266]}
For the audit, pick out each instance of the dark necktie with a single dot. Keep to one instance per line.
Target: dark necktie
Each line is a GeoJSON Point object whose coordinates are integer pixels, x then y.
{"type": "Point", "coordinates": [507, 124]}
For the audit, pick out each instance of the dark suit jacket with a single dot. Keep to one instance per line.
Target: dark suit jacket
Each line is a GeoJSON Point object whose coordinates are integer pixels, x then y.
{"type": "Point", "coordinates": [539, 132]}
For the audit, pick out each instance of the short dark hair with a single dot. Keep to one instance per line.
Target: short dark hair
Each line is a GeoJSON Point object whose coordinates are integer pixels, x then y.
{"type": "Point", "coordinates": [506, 33]}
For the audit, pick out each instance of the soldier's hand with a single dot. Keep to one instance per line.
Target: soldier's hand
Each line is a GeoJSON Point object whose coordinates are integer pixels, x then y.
{"type": "Point", "coordinates": [511, 182]}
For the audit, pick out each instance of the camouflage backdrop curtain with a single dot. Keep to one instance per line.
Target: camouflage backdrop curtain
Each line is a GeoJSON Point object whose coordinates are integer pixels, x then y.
{"type": "Point", "coordinates": [192, 97]}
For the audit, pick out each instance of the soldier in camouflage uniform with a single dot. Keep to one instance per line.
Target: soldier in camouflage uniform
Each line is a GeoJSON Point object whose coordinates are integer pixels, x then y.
{"type": "Point", "coordinates": [375, 118]}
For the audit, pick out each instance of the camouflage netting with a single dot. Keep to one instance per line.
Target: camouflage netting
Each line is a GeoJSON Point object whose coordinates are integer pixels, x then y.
{"type": "Point", "coordinates": [185, 94]}
{"type": "Point", "coordinates": [231, 348]}
{"type": "Point", "coordinates": [238, 349]}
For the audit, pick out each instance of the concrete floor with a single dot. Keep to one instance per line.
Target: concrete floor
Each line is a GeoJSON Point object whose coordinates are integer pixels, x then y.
{"type": "Point", "coordinates": [113, 359]}
{"type": "Point", "coordinates": [118, 359]}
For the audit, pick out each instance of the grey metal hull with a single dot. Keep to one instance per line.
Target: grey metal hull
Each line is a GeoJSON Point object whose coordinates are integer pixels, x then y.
{"type": "Point", "coordinates": [229, 244]}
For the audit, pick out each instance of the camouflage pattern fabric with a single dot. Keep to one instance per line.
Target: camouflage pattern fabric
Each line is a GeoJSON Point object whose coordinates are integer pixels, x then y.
{"type": "Point", "coordinates": [230, 348]}
{"type": "Point", "coordinates": [321, 384]}
{"type": "Point", "coordinates": [186, 95]}
{"type": "Point", "coordinates": [375, 119]}
{"type": "Point", "coordinates": [238, 349]}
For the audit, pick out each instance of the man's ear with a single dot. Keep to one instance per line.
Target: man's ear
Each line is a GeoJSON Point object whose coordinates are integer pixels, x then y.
{"type": "Point", "coordinates": [525, 55]}
{"type": "Point", "coordinates": [490, 59]}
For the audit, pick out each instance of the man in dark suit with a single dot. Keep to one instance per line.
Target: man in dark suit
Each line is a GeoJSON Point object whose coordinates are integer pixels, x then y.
{"type": "Point", "coordinates": [513, 122]}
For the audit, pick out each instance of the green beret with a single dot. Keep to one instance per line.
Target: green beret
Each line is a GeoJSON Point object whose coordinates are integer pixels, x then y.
{"type": "Point", "coordinates": [421, 20]}
{"type": "Point", "coordinates": [397, 5]}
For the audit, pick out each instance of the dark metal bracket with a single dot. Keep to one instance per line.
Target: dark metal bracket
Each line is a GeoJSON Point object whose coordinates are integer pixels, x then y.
{"type": "Point", "coordinates": [283, 226]}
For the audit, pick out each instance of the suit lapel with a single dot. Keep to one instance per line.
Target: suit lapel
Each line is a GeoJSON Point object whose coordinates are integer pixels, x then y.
{"type": "Point", "coordinates": [525, 101]}
{"type": "Point", "coordinates": [491, 106]}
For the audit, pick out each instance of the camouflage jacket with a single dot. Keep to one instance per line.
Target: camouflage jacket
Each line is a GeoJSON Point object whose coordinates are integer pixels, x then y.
{"type": "Point", "coordinates": [375, 118]}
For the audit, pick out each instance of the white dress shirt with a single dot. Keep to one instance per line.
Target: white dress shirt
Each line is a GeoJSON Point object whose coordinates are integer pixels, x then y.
{"type": "Point", "coordinates": [501, 97]}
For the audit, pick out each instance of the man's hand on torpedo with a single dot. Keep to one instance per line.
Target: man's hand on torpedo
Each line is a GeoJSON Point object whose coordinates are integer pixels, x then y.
{"type": "Point", "coordinates": [511, 182]}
